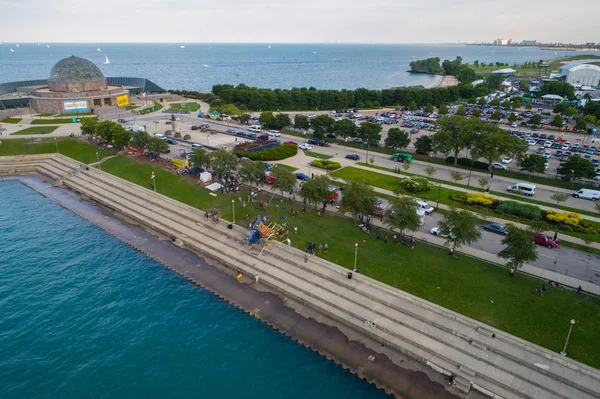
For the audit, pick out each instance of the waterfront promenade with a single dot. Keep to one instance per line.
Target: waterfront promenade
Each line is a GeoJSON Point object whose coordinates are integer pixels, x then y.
{"type": "Point", "coordinates": [483, 359]}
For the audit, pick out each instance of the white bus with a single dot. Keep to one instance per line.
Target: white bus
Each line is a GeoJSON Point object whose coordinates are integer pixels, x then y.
{"type": "Point", "coordinates": [254, 128]}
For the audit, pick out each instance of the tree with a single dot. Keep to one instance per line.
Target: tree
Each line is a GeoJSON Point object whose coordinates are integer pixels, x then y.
{"type": "Point", "coordinates": [560, 107]}
{"type": "Point", "coordinates": [88, 126]}
{"type": "Point", "coordinates": [344, 128]}
{"type": "Point", "coordinates": [200, 158]}
{"type": "Point", "coordinates": [494, 81]}
{"type": "Point", "coordinates": [414, 185]}
{"type": "Point", "coordinates": [496, 116]}
{"type": "Point", "coordinates": [461, 111]}
{"type": "Point", "coordinates": [301, 122]}
{"type": "Point", "coordinates": [157, 145]}
{"type": "Point", "coordinates": [512, 117]}
{"type": "Point", "coordinates": [559, 88]}
{"type": "Point", "coordinates": [452, 67]}
{"type": "Point", "coordinates": [229, 109]}
{"type": "Point", "coordinates": [505, 104]}
{"type": "Point", "coordinates": [472, 100]}
{"type": "Point", "coordinates": [528, 106]}
{"type": "Point", "coordinates": [581, 124]}
{"type": "Point", "coordinates": [453, 137]}
{"type": "Point", "coordinates": [424, 144]}
{"type": "Point", "coordinates": [483, 182]}
{"type": "Point", "coordinates": [476, 113]}
{"type": "Point", "coordinates": [533, 163]}
{"type": "Point", "coordinates": [222, 161]}
{"type": "Point", "coordinates": [250, 171]}
{"type": "Point", "coordinates": [402, 215]}
{"type": "Point", "coordinates": [559, 197]}
{"type": "Point", "coordinates": [244, 118]}
{"type": "Point", "coordinates": [284, 179]}
{"type": "Point", "coordinates": [524, 85]}
{"type": "Point", "coordinates": [494, 142]}
{"type": "Point", "coordinates": [557, 121]}
{"type": "Point", "coordinates": [322, 125]}
{"type": "Point", "coordinates": [516, 102]}
{"type": "Point", "coordinates": [267, 119]}
{"type": "Point", "coordinates": [369, 132]}
{"type": "Point", "coordinates": [105, 129]}
{"type": "Point", "coordinates": [412, 106]}
{"type": "Point", "coordinates": [460, 227]}
{"type": "Point", "coordinates": [397, 138]}
{"type": "Point", "coordinates": [140, 139]}
{"type": "Point", "coordinates": [443, 110]}
{"type": "Point", "coordinates": [121, 137]}
{"type": "Point", "coordinates": [358, 197]}
{"type": "Point", "coordinates": [457, 176]}
{"type": "Point", "coordinates": [495, 102]}
{"type": "Point", "coordinates": [430, 170]}
{"type": "Point", "coordinates": [519, 248]}
{"type": "Point", "coordinates": [535, 120]}
{"type": "Point", "coordinates": [576, 168]}
{"type": "Point", "coordinates": [282, 121]}
{"type": "Point", "coordinates": [430, 65]}
{"type": "Point", "coordinates": [482, 102]}
{"type": "Point", "coordinates": [316, 189]}
{"type": "Point", "coordinates": [466, 75]}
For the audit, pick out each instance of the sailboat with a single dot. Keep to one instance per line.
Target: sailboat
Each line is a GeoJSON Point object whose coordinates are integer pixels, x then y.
{"type": "Point", "coordinates": [205, 66]}
{"type": "Point", "coordinates": [99, 49]}
{"type": "Point", "coordinates": [107, 61]}
{"type": "Point", "coordinates": [181, 46]}
{"type": "Point", "coordinates": [269, 46]}
{"type": "Point", "coordinates": [47, 45]}
{"type": "Point", "coordinates": [17, 45]}
{"type": "Point", "coordinates": [11, 50]}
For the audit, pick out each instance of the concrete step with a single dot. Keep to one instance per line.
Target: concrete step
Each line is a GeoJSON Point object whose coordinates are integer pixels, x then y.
{"type": "Point", "coordinates": [282, 278]}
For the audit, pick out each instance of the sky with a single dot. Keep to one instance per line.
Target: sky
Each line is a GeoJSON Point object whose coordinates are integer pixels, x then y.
{"type": "Point", "coordinates": [297, 21]}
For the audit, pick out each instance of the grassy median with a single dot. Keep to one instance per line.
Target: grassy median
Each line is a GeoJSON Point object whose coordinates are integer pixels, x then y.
{"type": "Point", "coordinates": [35, 130]}
{"type": "Point", "coordinates": [69, 147]}
{"type": "Point", "coordinates": [466, 285]}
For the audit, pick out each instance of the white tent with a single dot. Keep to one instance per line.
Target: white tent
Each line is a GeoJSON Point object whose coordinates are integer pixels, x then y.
{"type": "Point", "coordinates": [552, 97]}
{"type": "Point", "coordinates": [505, 71]}
{"type": "Point", "coordinates": [205, 177]}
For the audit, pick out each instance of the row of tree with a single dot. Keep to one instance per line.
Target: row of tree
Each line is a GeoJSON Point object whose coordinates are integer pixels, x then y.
{"type": "Point", "coordinates": [112, 132]}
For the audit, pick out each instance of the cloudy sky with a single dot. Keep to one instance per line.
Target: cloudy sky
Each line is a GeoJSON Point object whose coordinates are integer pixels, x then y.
{"type": "Point", "coordinates": [297, 21]}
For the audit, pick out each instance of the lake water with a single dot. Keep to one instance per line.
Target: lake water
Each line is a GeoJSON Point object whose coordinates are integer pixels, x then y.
{"type": "Point", "coordinates": [325, 66]}
{"type": "Point", "coordinates": [83, 315]}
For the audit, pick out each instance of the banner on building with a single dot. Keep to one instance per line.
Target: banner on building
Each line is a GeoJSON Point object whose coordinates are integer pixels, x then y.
{"type": "Point", "coordinates": [122, 101]}
{"type": "Point", "coordinates": [75, 106]}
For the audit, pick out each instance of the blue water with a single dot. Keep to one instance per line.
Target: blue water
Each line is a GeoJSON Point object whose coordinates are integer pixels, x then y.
{"type": "Point", "coordinates": [82, 315]}
{"type": "Point", "coordinates": [325, 66]}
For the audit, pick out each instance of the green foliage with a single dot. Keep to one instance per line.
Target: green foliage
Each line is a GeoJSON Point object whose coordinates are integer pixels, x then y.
{"type": "Point", "coordinates": [581, 124]}
{"type": "Point", "coordinates": [402, 215]}
{"type": "Point", "coordinates": [494, 142]}
{"type": "Point", "coordinates": [424, 144]}
{"type": "Point", "coordinates": [483, 182]}
{"type": "Point", "coordinates": [461, 111]}
{"type": "Point", "coordinates": [358, 197]}
{"type": "Point", "coordinates": [428, 108]}
{"type": "Point", "coordinates": [494, 81]}
{"type": "Point", "coordinates": [592, 108]}
{"type": "Point", "coordinates": [35, 130]}
{"type": "Point", "coordinates": [12, 120]}
{"type": "Point", "coordinates": [482, 102]}
{"type": "Point", "coordinates": [415, 185]}
{"type": "Point", "coordinates": [344, 128]}
{"type": "Point", "coordinates": [88, 126]}
{"type": "Point", "coordinates": [140, 139]}
{"type": "Point", "coordinates": [457, 176]}
{"type": "Point", "coordinates": [561, 108]}
{"type": "Point", "coordinates": [511, 118]}
{"type": "Point", "coordinates": [496, 116]}
{"type": "Point", "coordinates": [533, 163]}
{"type": "Point", "coordinates": [369, 132]}
{"type": "Point", "coordinates": [476, 113]}
{"type": "Point", "coordinates": [430, 170]}
{"type": "Point", "coordinates": [576, 168]}
{"type": "Point", "coordinates": [222, 162]}
{"type": "Point", "coordinates": [521, 210]}
{"type": "Point", "coordinates": [412, 106]}
{"type": "Point", "coordinates": [452, 67]}
{"type": "Point", "coordinates": [157, 145]}
{"type": "Point", "coordinates": [535, 120]}
{"type": "Point", "coordinates": [251, 171]}
{"type": "Point", "coordinates": [562, 89]}
{"type": "Point", "coordinates": [200, 158]}
{"type": "Point", "coordinates": [301, 122]}
{"type": "Point", "coordinates": [443, 109]}
{"type": "Point", "coordinates": [105, 129]}
{"type": "Point", "coordinates": [460, 227]}
{"type": "Point", "coordinates": [267, 119]}
{"type": "Point", "coordinates": [316, 189]}
{"type": "Point", "coordinates": [495, 102]}
{"type": "Point", "coordinates": [325, 164]}
{"type": "Point", "coordinates": [397, 138]}
{"type": "Point", "coordinates": [272, 154]}
{"type": "Point", "coordinates": [557, 121]}
{"type": "Point", "coordinates": [228, 109]}
{"type": "Point", "coordinates": [284, 179]}
{"type": "Point", "coordinates": [282, 121]}
{"type": "Point", "coordinates": [121, 137]}
{"type": "Point", "coordinates": [466, 75]}
{"type": "Point", "coordinates": [456, 133]}
{"type": "Point", "coordinates": [322, 125]}
{"type": "Point", "coordinates": [525, 86]}
{"type": "Point", "coordinates": [429, 65]}
{"type": "Point", "coordinates": [519, 248]}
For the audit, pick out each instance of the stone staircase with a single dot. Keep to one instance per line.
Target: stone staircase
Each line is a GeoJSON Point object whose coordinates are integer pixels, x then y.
{"type": "Point", "coordinates": [483, 358]}
{"type": "Point", "coordinates": [22, 164]}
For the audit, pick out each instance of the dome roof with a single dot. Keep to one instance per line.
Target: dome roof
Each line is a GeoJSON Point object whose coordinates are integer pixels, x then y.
{"type": "Point", "coordinates": [75, 69]}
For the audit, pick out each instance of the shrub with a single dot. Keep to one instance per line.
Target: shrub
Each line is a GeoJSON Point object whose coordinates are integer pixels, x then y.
{"type": "Point", "coordinates": [177, 135]}
{"type": "Point", "coordinates": [467, 162]}
{"type": "Point", "coordinates": [415, 184]}
{"type": "Point", "coordinates": [569, 218]}
{"type": "Point", "coordinates": [325, 164]}
{"type": "Point", "coordinates": [187, 137]}
{"type": "Point", "coordinates": [525, 211]}
{"type": "Point", "coordinates": [479, 199]}
{"type": "Point", "coordinates": [272, 154]}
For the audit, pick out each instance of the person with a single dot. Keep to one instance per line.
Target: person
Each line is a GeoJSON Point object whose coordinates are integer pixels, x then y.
{"type": "Point", "coordinates": [239, 274]}
{"type": "Point", "coordinates": [451, 380]}
{"type": "Point", "coordinates": [385, 238]}
{"type": "Point", "coordinates": [512, 271]}
{"type": "Point", "coordinates": [289, 242]}
{"type": "Point", "coordinates": [256, 278]}
{"type": "Point", "coordinates": [411, 242]}
{"type": "Point", "coordinates": [325, 248]}
{"type": "Point", "coordinates": [451, 251]}
{"type": "Point", "coordinates": [295, 229]}
{"type": "Point", "coordinates": [578, 290]}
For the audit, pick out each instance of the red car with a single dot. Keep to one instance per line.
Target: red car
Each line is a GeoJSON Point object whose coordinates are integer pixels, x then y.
{"type": "Point", "coordinates": [291, 142]}
{"type": "Point", "coordinates": [541, 239]}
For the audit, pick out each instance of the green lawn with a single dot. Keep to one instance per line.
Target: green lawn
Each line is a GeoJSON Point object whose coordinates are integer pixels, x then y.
{"type": "Point", "coordinates": [57, 121]}
{"type": "Point", "coordinates": [75, 114]}
{"type": "Point", "coordinates": [12, 120]}
{"type": "Point", "coordinates": [72, 148]}
{"type": "Point", "coordinates": [287, 167]}
{"type": "Point", "coordinates": [130, 107]}
{"type": "Point", "coordinates": [463, 284]}
{"type": "Point", "coordinates": [388, 182]}
{"type": "Point", "coordinates": [35, 130]}
{"type": "Point", "coordinates": [157, 107]}
{"type": "Point", "coordinates": [317, 155]}
{"type": "Point", "coordinates": [191, 107]}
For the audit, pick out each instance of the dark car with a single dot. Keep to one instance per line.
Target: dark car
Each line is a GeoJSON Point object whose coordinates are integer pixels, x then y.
{"type": "Point", "coordinates": [495, 228]}
{"type": "Point", "coordinates": [231, 131]}
{"type": "Point", "coordinates": [353, 157]}
{"type": "Point", "coordinates": [301, 176]}
{"type": "Point", "coordinates": [240, 134]}
{"type": "Point", "coordinates": [313, 141]}
{"type": "Point", "coordinates": [121, 120]}
{"type": "Point", "coordinates": [541, 239]}
{"type": "Point", "coordinates": [543, 136]}
{"type": "Point", "coordinates": [171, 141]}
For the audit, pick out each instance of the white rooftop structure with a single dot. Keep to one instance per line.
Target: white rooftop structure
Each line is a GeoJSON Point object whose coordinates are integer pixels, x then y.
{"type": "Point", "coordinates": [505, 71]}
{"type": "Point", "coordinates": [552, 97]}
{"type": "Point", "coordinates": [580, 74]}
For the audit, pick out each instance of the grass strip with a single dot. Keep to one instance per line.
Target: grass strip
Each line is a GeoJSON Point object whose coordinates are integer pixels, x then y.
{"type": "Point", "coordinates": [35, 130]}
{"type": "Point", "coordinates": [317, 155]}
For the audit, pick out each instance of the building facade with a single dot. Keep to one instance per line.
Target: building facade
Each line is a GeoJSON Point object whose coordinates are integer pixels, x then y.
{"type": "Point", "coordinates": [580, 74]}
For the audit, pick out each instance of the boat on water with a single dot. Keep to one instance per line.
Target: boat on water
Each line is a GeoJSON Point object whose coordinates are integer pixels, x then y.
{"type": "Point", "coordinates": [11, 50]}
{"type": "Point", "coordinates": [47, 45]}
{"type": "Point", "coordinates": [181, 46]}
{"type": "Point", "coordinates": [99, 49]}
{"type": "Point", "coordinates": [269, 46]}
{"type": "Point", "coordinates": [205, 66]}
{"type": "Point", "coordinates": [17, 45]}
{"type": "Point", "coordinates": [106, 60]}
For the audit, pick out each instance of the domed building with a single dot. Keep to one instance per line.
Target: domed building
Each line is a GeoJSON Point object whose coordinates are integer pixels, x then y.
{"type": "Point", "coordinates": [76, 85]}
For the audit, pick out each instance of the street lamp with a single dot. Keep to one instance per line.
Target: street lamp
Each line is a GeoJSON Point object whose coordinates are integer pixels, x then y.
{"type": "Point", "coordinates": [564, 351]}
{"type": "Point", "coordinates": [355, 256]}
{"type": "Point", "coordinates": [56, 142]}
{"type": "Point", "coordinates": [438, 198]}
{"type": "Point", "coordinates": [153, 177]}
{"type": "Point", "coordinates": [98, 159]}
{"type": "Point", "coordinates": [233, 209]}
{"type": "Point", "coordinates": [470, 171]}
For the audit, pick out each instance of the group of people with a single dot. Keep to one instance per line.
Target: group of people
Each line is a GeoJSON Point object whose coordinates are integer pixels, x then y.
{"type": "Point", "coordinates": [312, 248]}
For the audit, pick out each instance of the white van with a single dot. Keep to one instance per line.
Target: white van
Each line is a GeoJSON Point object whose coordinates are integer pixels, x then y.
{"type": "Point", "coordinates": [254, 128]}
{"type": "Point", "coordinates": [136, 128]}
{"type": "Point", "coordinates": [522, 188]}
{"type": "Point", "coordinates": [196, 146]}
{"type": "Point", "coordinates": [424, 206]}
{"type": "Point", "coordinates": [585, 193]}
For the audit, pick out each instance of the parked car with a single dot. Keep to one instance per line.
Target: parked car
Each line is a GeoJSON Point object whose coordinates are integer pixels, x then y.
{"type": "Point", "coordinates": [122, 120]}
{"type": "Point", "coordinates": [313, 141]}
{"type": "Point", "coordinates": [506, 159]}
{"type": "Point", "coordinates": [290, 142]}
{"type": "Point", "coordinates": [305, 147]}
{"type": "Point", "coordinates": [196, 145]}
{"type": "Point", "coordinates": [495, 228]}
{"type": "Point", "coordinates": [498, 165]}
{"type": "Point", "coordinates": [541, 239]}
{"type": "Point", "coordinates": [353, 157]}
{"type": "Point", "coordinates": [437, 232]}
{"type": "Point", "coordinates": [171, 141]}
{"type": "Point", "coordinates": [540, 150]}
{"type": "Point", "coordinates": [547, 155]}
{"type": "Point", "coordinates": [274, 133]}
{"type": "Point", "coordinates": [585, 193]}
{"type": "Point", "coordinates": [231, 131]}
{"type": "Point", "coordinates": [301, 176]}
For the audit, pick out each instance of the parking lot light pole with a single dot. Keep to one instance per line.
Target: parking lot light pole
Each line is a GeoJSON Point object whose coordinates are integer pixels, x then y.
{"type": "Point", "coordinates": [153, 177]}
{"type": "Point", "coordinates": [438, 198]}
{"type": "Point", "coordinates": [564, 351]}
{"type": "Point", "coordinates": [355, 255]}
{"type": "Point", "coordinates": [98, 159]}
{"type": "Point", "coordinates": [233, 209]}
{"type": "Point", "coordinates": [56, 142]}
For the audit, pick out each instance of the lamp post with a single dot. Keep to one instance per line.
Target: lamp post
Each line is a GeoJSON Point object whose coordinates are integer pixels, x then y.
{"type": "Point", "coordinates": [98, 159]}
{"type": "Point", "coordinates": [56, 142]}
{"type": "Point", "coordinates": [470, 171]}
{"type": "Point", "coordinates": [438, 198]}
{"type": "Point", "coordinates": [153, 177]}
{"type": "Point", "coordinates": [355, 255]}
{"type": "Point", "coordinates": [564, 351]}
{"type": "Point", "coordinates": [233, 209]}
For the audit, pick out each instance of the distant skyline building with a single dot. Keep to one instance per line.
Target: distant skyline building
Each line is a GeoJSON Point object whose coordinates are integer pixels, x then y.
{"type": "Point", "coordinates": [502, 42]}
{"type": "Point", "coordinates": [529, 42]}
